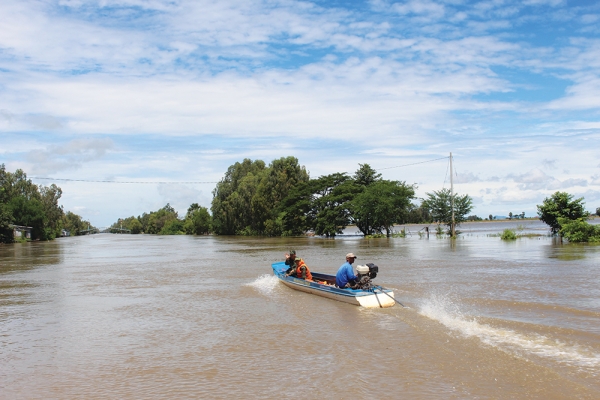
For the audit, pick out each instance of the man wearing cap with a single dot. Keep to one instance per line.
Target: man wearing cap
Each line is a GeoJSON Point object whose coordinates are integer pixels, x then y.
{"type": "Point", "coordinates": [345, 277]}
{"type": "Point", "coordinates": [297, 267]}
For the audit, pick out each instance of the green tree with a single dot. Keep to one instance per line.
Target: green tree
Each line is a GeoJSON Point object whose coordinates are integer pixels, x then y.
{"type": "Point", "coordinates": [561, 205]}
{"type": "Point", "coordinates": [418, 214]}
{"type": "Point", "coordinates": [248, 199]}
{"type": "Point", "coordinates": [157, 220]}
{"type": "Point", "coordinates": [232, 197]}
{"type": "Point", "coordinates": [17, 185]}
{"type": "Point", "coordinates": [275, 184]}
{"type": "Point", "coordinates": [144, 220]}
{"type": "Point", "coordinates": [579, 230]}
{"type": "Point", "coordinates": [135, 226]}
{"type": "Point", "coordinates": [439, 204]}
{"type": "Point", "coordinates": [330, 212]}
{"type": "Point", "coordinates": [54, 213]}
{"type": "Point", "coordinates": [598, 211]}
{"type": "Point", "coordinates": [172, 227]}
{"type": "Point", "coordinates": [73, 223]}
{"type": "Point", "coordinates": [296, 210]}
{"type": "Point", "coordinates": [380, 205]}
{"type": "Point", "coordinates": [197, 220]}
{"type": "Point", "coordinates": [29, 213]}
{"type": "Point", "coordinates": [6, 220]}
{"type": "Point", "coordinates": [491, 217]}
{"type": "Point", "coordinates": [131, 224]}
{"type": "Point", "coordinates": [320, 205]}
{"type": "Point", "coordinates": [365, 175]}
{"type": "Point", "coordinates": [25, 203]}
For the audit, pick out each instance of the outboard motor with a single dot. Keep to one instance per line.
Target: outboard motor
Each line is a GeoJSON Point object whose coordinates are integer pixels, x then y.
{"type": "Point", "coordinates": [365, 274]}
{"type": "Point", "coordinates": [373, 270]}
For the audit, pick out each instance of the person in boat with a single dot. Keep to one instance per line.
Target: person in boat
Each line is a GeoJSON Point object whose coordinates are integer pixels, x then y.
{"type": "Point", "coordinates": [345, 277]}
{"type": "Point", "coordinates": [297, 267]}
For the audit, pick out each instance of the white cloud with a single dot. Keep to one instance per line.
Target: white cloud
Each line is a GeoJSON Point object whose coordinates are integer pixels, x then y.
{"type": "Point", "coordinates": [430, 9]}
{"type": "Point", "coordinates": [552, 3]}
{"type": "Point", "coordinates": [466, 177]}
{"type": "Point", "coordinates": [181, 196]}
{"type": "Point", "coordinates": [344, 100]}
{"type": "Point", "coordinates": [334, 86]}
{"type": "Point", "coordinates": [590, 18]}
{"type": "Point", "coordinates": [69, 156]}
{"type": "Point", "coordinates": [572, 182]}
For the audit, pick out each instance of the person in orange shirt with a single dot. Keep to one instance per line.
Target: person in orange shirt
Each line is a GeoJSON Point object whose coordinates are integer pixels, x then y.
{"type": "Point", "coordinates": [298, 268]}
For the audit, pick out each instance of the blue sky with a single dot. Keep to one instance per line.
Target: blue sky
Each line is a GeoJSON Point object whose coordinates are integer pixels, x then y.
{"type": "Point", "coordinates": [177, 91]}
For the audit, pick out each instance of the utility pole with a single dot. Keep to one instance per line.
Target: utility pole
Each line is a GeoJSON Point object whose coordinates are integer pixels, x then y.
{"type": "Point", "coordinates": [452, 225]}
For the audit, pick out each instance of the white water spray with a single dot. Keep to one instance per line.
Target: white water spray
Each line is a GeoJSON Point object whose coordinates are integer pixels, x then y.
{"type": "Point", "coordinates": [447, 312]}
{"type": "Point", "coordinates": [264, 284]}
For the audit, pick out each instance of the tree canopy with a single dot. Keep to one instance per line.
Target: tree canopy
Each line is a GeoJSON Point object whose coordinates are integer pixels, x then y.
{"type": "Point", "coordinates": [197, 220]}
{"type": "Point", "coordinates": [380, 205]}
{"type": "Point", "coordinates": [579, 230]}
{"type": "Point", "coordinates": [439, 204]}
{"type": "Point", "coordinates": [561, 205]}
{"type": "Point", "coordinates": [74, 224]}
{"type": "Point", "coordinates": [246, 200]}
{"type": "Point", "coordinates": [166, 221]}
{"type": "Point", "coordinates": [26, 204]}
{"type": "Point", "coordinates": [326, 205]}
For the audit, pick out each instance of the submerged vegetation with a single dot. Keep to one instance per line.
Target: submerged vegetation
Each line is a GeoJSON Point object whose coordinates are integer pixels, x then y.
{"type": "Point", "coordinates": [508, 234]}
{"type": "Point", "coordinates": [579, 230]}
{"type": "Point", "coordinates": [567, 218]}
{"type": "Point", "coordinates": [441, 205]}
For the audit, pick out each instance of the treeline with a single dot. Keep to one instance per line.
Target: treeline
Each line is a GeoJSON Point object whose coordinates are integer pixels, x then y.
{"type": "Point", "coordinates": [280, 199]}
{"type": "Point", "coordinates": [24, 203]}
{"type": "Point", "coordinates": [166, 221]}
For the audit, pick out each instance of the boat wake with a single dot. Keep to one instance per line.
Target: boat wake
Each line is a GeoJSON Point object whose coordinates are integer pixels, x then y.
{"type": "Point", "coordinates": [448, 313]}
{"type": "Point", "coordinates": [264, 284]}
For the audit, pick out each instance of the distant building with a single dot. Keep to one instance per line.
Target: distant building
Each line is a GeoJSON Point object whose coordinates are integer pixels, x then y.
{"type": "Point", "coordinates": [21, 231]}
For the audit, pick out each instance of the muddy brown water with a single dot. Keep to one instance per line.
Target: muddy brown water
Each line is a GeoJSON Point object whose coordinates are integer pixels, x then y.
{"type": "Point", "coordinates": [142, 316]}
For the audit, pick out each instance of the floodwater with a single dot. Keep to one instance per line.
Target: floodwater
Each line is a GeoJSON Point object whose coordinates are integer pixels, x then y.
{"type": "Point", "coordinates": [145, 317]}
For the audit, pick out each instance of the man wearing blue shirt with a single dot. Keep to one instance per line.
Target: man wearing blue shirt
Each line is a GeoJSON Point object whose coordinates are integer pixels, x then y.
{"type": "Point", "coordinates": [345, 276]}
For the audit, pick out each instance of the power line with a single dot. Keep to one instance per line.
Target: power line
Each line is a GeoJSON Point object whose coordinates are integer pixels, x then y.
{"type": "Point", "coordinates": [136, 182]}
{"type": "Point", "coordinates": [420, 162]}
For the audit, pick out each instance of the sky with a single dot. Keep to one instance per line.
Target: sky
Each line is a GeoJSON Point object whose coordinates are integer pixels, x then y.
{"type": "Point", "coordinates": [173, 92]}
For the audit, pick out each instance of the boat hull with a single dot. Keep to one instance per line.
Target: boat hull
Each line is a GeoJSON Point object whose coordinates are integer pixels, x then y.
{"type": "Point", "coordinates": [368, 299]}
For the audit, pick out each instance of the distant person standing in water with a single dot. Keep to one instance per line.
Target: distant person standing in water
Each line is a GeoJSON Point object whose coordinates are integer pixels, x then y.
{"type": "Point", "coordinates": [345, 277]}
{"type": "Point", "coordinates": [298, 268]}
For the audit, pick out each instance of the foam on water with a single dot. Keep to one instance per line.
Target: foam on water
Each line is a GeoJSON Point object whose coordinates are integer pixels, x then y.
{"type": "Point", "coordinates": [448, 313]}
{"type": "Point", "coordinates": [264, 283]}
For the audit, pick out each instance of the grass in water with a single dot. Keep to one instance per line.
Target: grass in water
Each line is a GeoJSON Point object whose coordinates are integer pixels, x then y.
{"type": "Point", "coordinates": [508, 234]}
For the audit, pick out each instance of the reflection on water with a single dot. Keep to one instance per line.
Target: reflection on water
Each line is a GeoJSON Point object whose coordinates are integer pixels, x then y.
{"type": "Point", "coordinates": [28, 255]}
{"type": "Point", "coordinates": [572, 251]}
{"type": "Point", "coordinates": [142, 316]}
